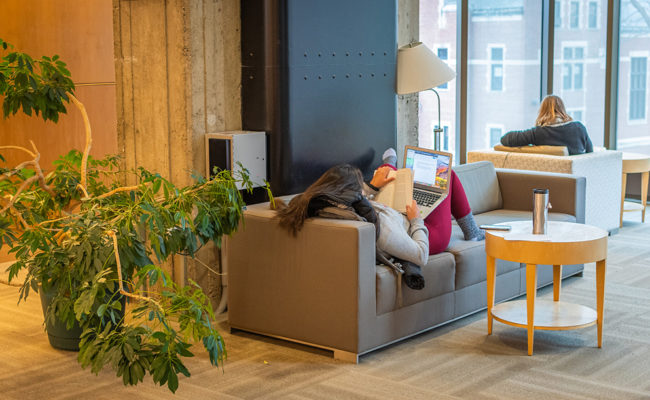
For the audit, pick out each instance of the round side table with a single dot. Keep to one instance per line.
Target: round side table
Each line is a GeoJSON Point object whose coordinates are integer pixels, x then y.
{"type": "Point", "coordinates": [565, 243]}
{"type": "Point", "coordinates": [634, 163]}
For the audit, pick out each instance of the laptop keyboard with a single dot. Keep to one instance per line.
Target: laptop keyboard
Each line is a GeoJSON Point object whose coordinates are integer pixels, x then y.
{"type": "Point", "coordinates": [425, 199]}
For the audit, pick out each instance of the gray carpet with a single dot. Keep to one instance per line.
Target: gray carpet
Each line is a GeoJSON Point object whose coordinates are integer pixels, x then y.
{"type": "Point", "coordinates": [457, 361]}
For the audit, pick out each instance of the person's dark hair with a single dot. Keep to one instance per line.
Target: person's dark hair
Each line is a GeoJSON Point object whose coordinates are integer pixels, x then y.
{"type": "Point", "coordinates": [343, 178]}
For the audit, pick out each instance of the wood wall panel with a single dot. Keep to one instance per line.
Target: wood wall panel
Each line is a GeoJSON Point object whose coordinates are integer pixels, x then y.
{"type": "Point", "coordinates": [53, 140]}
{"type": "Point", "coordinates": [81, 32]}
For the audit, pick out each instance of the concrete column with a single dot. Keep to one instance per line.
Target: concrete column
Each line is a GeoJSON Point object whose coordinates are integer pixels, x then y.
{"type": "Point", "coordinates": [177, 65]}
{"type": "Point", "coordinates": [408, 30]}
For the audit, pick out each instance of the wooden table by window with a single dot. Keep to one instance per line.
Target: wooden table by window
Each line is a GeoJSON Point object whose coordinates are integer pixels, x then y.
{"type": "Point", "coordinates": [564, 244]}
{"type": "Point", "coordinates": [634, 163]}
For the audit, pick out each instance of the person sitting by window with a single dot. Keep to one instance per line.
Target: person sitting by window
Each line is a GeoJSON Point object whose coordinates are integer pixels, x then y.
{"type": "Point", "coordinates": [553, 127]}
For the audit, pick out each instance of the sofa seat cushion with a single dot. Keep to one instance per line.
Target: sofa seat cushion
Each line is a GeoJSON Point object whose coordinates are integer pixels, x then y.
{"type": "Point", "coordinates": [438, 279]}
{"type": "Point", "coordinates": [470, 256]}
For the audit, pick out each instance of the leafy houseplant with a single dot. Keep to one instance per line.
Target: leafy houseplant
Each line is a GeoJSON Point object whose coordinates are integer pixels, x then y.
{"type": "Point", "coordinates": [92, 242]}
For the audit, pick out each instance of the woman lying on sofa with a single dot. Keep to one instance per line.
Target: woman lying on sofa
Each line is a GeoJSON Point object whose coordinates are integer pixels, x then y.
{"type": "Point", "coordinates": [553, 127]}
{"type": "Point", "coordinates": [339, 193]}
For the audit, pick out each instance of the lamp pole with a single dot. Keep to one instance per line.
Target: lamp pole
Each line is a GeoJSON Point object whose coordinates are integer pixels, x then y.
{"type": "Point", "coordinates": [438, 130]}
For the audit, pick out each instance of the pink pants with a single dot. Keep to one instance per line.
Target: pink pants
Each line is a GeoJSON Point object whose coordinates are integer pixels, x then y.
{"type": "Point", "coordinates": [439, 221]}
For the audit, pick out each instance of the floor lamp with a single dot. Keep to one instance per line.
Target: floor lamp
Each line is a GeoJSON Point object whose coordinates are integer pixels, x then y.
{"type": "Point", "coordinates": [418, 69]}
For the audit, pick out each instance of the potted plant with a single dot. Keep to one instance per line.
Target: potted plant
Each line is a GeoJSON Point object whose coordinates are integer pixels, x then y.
{"type": "Point", "coordinates": [90, 242]}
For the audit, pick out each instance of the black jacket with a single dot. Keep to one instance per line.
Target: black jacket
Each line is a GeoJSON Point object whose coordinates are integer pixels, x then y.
{"type": "Point", "coordinates": [356, 201]}
{"type": "Point", "coordinates": [572, 134]}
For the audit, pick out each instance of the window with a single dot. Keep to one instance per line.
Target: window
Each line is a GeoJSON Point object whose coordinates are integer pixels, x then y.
{"type": "Point", "coordinates": [593, 15]}
{"type": "Point", "coordinates": [443, 54]}
{"type": "Point", "coordinates": [438, 32]}
{"type": "Point", "coordinates": [579, 70]}
{"type": "Point", "coordinates": [573, 68]}
{"type": "Point", "coordinates": [575, 114]}
{"type": "Point", "coordinates": [502, 57]}
{"type": "Point", "coordinates": [496, 69]}
{"type": "Point", "coordinates": [633, 124]}
{"type": "Point", "coordinates": [638, 70]}
{"type": "Point", "coordinates": [574, 16]}
{"type": "Point", "coordinates": [495, 136]}
{"type": "Point", "coordinates": [558, 14]}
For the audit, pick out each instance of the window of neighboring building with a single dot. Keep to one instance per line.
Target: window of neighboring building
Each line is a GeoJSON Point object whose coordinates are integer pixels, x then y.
{"type": "Point", "coordinates": [592, 22]}
{"type": "Point", "coordinates": [443, 54]}
{"type": "Point", "coordinates": [558, 13]}
{"type": "Point", "coordinates": [575, 114]}
{"type": "Point", "coordinates": [638, 71]}
{"type": "Point", "coordinates": [573, 68]}
{"type": "Point", "coordinates": [495, 136]}
{"type": "Point", "coordinates": [496, 69]}
{"type": "Point", "coordinates": [574, 16]}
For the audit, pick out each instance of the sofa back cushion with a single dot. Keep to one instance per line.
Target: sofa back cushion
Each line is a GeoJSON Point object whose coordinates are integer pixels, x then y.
{"type": "Point", "coordinates": [548, 150]}
{"type": "Point", "coordinates": [481, 186]}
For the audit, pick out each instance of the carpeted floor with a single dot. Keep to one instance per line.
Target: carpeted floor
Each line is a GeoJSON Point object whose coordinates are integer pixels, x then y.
{"type": "Point", "coordinates": [457, 361]}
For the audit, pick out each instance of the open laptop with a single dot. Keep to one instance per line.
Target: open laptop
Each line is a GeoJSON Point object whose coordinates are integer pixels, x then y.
{"type": "Point", "coordinates": [431, 173]}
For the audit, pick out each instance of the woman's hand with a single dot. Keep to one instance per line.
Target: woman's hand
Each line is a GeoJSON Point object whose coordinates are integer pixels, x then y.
{"type": "Point", "coordinates": [412, 210]}
{"type": "Point", "coordinates": [380, 178]}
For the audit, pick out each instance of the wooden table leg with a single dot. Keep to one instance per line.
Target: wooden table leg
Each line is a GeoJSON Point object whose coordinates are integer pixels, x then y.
{"type": "Point", "coordinates": [623, 184]}
{"type": "Point", "coordinates": [600, 298]}
{"type": "Point", "coordinates": [531, 292]}
{"type": "Point", "coordinates": [557, 282]}
{"type": "Point", "coordinates": [644, 192]}
{"type": "Point", "coordinates": [491, 277]}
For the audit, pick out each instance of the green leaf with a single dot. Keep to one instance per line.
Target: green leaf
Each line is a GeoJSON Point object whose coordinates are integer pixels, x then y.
{"type": "Point", "coordinates": [172, 383]}
{"type": "Point", "coordinates": [101, 310]}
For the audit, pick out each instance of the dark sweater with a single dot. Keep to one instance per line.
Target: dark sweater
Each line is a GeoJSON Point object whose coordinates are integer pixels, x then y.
{"type": "Point", "coordinates": [571, 134]}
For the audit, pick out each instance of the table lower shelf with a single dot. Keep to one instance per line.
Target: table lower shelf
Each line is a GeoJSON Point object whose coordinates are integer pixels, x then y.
{"type": "Point", "coordinates": [629, 206]}
{"type": "Point", "coordinates": [549, 315]}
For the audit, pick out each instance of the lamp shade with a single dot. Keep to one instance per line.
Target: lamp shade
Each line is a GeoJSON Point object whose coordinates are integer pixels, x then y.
{"type": "Point", "coordinates": [419, 69]}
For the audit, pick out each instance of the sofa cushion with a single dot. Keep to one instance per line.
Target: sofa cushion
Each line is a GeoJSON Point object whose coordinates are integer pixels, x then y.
{"type": "Point", "coordinates": [481, 186]}
{"type": "Point", "coordinates": [438, 279]}
{"type": "Point", "coordinates": [470, 256]}
{"type": "Point", "coordinates": [549, 150]}
{"type": "Point", "coordinates": [470, 262]}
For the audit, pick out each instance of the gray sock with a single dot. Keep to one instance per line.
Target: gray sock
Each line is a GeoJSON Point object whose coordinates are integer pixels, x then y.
{"type": "Point", "coordinates": [390, 157]}
{"type": "Point", "coordinates": [471, 231]}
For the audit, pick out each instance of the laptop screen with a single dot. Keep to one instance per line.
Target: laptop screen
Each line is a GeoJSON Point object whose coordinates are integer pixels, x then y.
{"type": "Point", "coordinates": [430, 170]}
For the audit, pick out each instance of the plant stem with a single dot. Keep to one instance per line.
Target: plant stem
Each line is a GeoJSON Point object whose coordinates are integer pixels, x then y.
{"type": "Point", "coordinates": [120, 282]}
{"type": "Point", "coordinates": [89, 139]}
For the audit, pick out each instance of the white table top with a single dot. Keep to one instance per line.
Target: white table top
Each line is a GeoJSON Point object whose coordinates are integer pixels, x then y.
{"type": "Point", "coordinates": [556, 232]}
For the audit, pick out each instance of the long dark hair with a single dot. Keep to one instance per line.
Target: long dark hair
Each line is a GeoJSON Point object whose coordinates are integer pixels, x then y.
{"type": "Point", "coordinates": [336, 183]}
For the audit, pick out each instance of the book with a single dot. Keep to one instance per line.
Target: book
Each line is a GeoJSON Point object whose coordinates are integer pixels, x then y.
{"type": "Point", "coordinates": [399, 192]}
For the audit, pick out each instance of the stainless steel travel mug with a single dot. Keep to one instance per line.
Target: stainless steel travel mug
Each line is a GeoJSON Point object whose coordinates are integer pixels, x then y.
{"type": "Point", "coordinates": [540, 211]}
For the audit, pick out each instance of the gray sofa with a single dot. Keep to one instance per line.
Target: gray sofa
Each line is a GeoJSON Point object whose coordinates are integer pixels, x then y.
{"type": "Point", "coordinates": [323, 288]}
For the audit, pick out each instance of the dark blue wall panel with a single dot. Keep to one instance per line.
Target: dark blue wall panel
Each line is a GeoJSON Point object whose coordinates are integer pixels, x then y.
{"type": "Point", "coordinates": [341, 84]}
{"type": "Point", "coordinates": [334, 99]}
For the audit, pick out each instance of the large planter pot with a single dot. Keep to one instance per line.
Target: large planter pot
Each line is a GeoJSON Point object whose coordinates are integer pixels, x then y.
{"type": "Point", "coordinates": [59, 335]}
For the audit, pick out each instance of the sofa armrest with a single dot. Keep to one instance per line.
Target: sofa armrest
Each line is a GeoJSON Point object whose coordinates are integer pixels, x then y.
{"type": "Point", "coordinates": [324, 278]}
{"type": "Point", "coordinates": [566, 192]}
